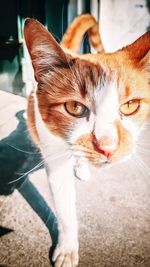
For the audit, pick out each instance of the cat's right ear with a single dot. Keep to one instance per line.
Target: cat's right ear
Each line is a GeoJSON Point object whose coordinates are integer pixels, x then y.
{"type": "Point", "coordinates": [45, 52]}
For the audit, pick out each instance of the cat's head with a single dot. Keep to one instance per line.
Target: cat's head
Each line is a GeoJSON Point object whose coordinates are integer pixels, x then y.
{"type": "Point", "coordinates": [98, 103]}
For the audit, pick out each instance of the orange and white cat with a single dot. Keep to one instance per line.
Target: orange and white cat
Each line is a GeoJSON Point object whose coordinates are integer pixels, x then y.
{"type": "Point", "coordinates": [84, 109]}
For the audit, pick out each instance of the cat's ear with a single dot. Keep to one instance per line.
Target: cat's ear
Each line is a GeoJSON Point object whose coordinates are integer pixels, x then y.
{"type": "Point", "coordinates": [139, 51]}
{"type": "Point", "coordinates": [45, 52]}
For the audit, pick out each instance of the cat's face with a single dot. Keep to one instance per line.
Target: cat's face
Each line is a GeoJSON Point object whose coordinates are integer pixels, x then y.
{"type": "Point", "coordinates": [97, 103]}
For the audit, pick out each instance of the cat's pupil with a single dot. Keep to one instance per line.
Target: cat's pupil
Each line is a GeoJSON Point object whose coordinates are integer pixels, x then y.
{"type": "Point", "coordinates": [75, 105]}
{"type": "Point", "coordinates": [78, 108]}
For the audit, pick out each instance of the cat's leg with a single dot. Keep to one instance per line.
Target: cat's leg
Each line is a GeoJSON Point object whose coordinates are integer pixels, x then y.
{"type": "Point", "coordinates": [63, 189]}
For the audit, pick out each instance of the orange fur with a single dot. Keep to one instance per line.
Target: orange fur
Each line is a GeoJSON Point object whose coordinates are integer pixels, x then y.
{"type": "Point", "coordinates": [56, 87]}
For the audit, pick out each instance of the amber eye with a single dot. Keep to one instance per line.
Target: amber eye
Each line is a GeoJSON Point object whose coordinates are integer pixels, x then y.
{"type": "Point", "coordinates": [76, 109]}
{"type": "Point", "coordinates": [130, 108]}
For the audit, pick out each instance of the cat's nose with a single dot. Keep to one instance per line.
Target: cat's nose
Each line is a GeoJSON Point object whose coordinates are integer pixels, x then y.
{"type": "Point", "coordinates": [106, 146]}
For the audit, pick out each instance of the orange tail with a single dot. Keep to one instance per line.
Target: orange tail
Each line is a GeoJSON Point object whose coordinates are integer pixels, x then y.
{"type": "Point", "coordinates": [73, 37]}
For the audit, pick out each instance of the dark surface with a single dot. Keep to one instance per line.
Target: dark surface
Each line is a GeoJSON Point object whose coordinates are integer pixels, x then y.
{"type": "Point", "coordinates": [39, 205]}
{"type": "Point", "coordinates": [4, 231]}
{"type": "Point", "coordinates": [56, 17]}
{"type": "Point", "coordinates": [18, 155]}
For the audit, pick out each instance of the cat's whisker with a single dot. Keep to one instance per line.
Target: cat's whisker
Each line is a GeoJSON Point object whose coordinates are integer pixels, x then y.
{"type": "Point", "coordinates": [39, 165]}
{"type": "Point", "coordinates": [77, 146]}
{"type": "Point", "coordinates": [143, 151]}
{"type": "Point", "coordinates": [147, 153]}
{"type": "Point", "coordinates": [144, 165]}
{"type": "Point", "coordinates": [141, 148]}
{"type": "Point", "coordinates": [23, 151]}
{"type": "Point", "coordinates": [48, 217]}
{"type": "Point", "coordinates": [143, 145]}
{"type": "Point", "coordinates": [82, 149]}
{"type": "Point", "coordinates": [89, 157]}
{"type": "Point", "coordinates": [142, 142]}
{"type": "Point", "coordinates": [29, 128]}
{"type": "Point", "coordinates": [54, 157]}
{"type": "Point", "coordinates": [25, 174]}
{"type": "Point", "coordinates": [143, 168]}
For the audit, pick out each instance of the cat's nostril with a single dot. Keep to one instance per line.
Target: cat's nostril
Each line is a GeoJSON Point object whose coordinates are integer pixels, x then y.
{"type": "Point", "coordinates": [105, 145]}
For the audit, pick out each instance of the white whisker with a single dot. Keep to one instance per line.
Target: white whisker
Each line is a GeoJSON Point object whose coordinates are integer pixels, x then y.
{"type": "Point", "coordinates": [143, 150]}
{"type": "Point", "coordinates": [23, 151]}
{"type": "Point", "coordinates": [25, 174]}
{"type": "Point", "coordinates": [39, 165]}
{"type": "Point", "coordinates": [29, 128]}
{"type": "Point", "coordinates": [143, 168]}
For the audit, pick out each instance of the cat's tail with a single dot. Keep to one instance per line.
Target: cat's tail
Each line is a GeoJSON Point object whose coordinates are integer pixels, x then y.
{"type": "Point", "coordinates": [74, 35]}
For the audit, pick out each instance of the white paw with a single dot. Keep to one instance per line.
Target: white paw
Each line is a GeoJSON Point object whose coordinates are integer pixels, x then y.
{"type": "Point", "coordinates": [82, 172]}
{"type": "Point", "coordinates": [65, 257]}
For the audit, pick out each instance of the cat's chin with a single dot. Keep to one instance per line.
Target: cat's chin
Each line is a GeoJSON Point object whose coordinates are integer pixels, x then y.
{"type": "Point", "coordinates": [111, 162]}
{"type": "Point", "coordinates": [101, 165]}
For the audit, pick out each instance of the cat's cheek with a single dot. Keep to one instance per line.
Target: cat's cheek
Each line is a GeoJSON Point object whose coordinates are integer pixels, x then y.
{"type": "Point", "coordinates": [131, 126]}
{"type": "Point", "coordinates": [81, 127]}
{"type": "Point", "coordinates": [135, 123]}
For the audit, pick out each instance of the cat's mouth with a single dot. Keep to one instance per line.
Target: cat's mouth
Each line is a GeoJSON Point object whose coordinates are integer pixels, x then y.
{"type": "Point", "coordinates": [85, 148]}
{"type": "Point", "coordinates": [98, 160]}
{"type": "Point", "coordinates": [95, 158]}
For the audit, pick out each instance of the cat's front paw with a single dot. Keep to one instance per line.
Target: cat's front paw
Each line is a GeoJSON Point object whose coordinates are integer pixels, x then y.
{"type": "Point", "coordinates": [82, 171]}
{"type": "Point", "coordinates": [65, 257]}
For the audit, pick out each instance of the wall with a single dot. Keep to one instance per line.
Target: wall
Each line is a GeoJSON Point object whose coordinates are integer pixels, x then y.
{"type": "Point", "coordinates": [122, 22]}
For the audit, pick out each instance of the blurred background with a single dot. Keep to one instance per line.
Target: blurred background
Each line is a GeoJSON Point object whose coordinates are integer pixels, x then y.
{"type": "Point", "coordinates": [120, 21]}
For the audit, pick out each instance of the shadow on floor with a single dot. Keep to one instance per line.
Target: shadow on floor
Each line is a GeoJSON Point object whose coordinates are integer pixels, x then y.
{"type": "Point", "coordinates": [4, 231]}
{"type": "Point", "coordinates": [18, 155]}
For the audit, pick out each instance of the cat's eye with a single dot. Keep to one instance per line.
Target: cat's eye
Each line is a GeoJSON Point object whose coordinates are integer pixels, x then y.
{"type": "Point", "coordinates": [76, 109]}
{"type": "Point", "coordinates": [130, 108]}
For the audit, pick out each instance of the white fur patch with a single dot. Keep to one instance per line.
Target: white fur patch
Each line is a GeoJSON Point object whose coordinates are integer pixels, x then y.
{"type": "Point", "coordinates": [82, 127]}
{"type": "Point", "coordinates": [106, 113]}
{"type": "Point", "coordinates": [106, 109]}
{"type": "Point", "coordinates": [131, 126]}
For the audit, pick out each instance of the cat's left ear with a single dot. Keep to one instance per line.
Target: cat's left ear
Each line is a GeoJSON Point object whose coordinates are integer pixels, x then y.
{"type": "Point", "coordinates": [139, 51]}
{"type": "Point", "coordinates": [45, 52]}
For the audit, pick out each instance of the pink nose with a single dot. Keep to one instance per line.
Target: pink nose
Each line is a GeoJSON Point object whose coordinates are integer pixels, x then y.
{"type": "Point", "coordinates": [106, 146]}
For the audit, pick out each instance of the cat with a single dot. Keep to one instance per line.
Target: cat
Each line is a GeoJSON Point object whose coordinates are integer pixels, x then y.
{"type": "Point", "coordinates": [85, 109]}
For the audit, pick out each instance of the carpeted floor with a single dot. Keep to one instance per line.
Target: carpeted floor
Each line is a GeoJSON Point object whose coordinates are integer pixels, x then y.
{"type": "Point", "coordinates": [113, 211]}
